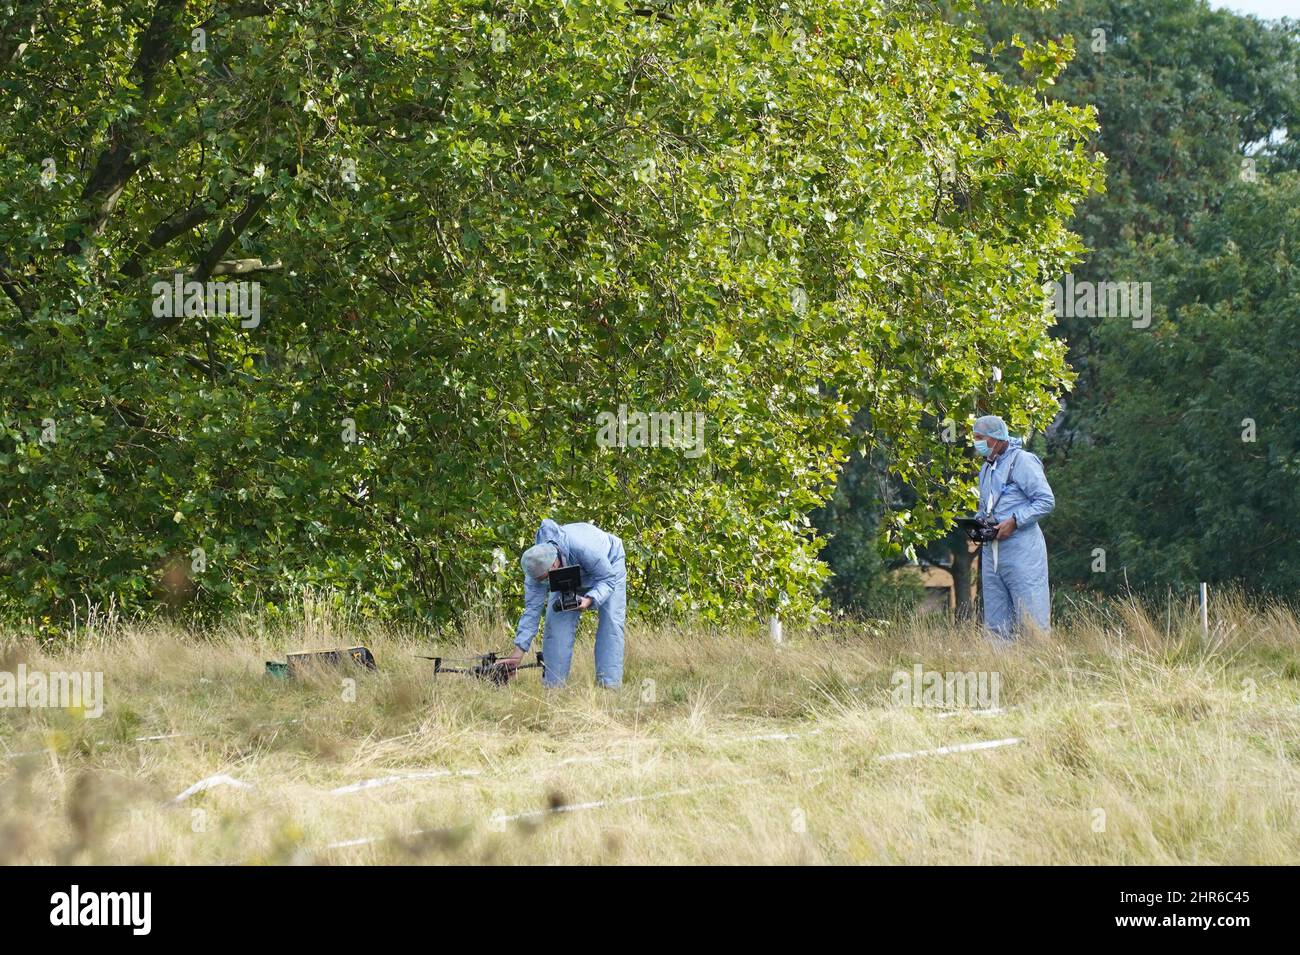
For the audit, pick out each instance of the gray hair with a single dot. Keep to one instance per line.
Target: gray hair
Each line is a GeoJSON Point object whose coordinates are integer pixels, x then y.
{"type": "Point", "coordinates": [537, 560]}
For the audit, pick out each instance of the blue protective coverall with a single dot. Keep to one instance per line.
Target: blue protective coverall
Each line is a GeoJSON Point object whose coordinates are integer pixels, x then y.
{"type": "Point", "coordinates": [604, 579]}
{"type": "Point", "coordinates": [1013, 572]}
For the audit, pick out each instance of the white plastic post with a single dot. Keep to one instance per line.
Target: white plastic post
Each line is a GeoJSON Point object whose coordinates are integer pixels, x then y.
{"type": "Point", "coordinates": [774, 628]}
{"type": "Point", "coordinates": [1205, 608]}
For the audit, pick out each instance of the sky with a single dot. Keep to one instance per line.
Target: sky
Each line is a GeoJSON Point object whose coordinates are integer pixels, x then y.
{"type": "Point", "coordinates": [1264, 9]}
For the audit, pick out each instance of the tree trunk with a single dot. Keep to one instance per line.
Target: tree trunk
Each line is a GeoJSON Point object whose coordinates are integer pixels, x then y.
{"type": "Point", "coordinates": [962, 559]}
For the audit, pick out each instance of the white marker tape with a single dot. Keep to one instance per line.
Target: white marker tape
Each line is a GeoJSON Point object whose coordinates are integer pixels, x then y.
{"type": "Point", "coordinates": [536, 813]}
{"type": "Point", "coordinates": [958, 748]}
{"type": "Point", "coordinates": [380, 781]}
{"type": "Point", "coordinates": [221, 779]}
{"type": "Point", "coordinates": [351, 843]}
{"type": "Point", "coordinates": [672, 793]}
{"type": "Point", "coordinates": [151, 739]}
{"type": "Point", "coordinates": [622, 801]}
{"type": "Point", "coordinates": [994, 711]}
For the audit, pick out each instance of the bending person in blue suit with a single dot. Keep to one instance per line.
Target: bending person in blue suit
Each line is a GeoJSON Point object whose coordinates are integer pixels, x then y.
{"type": "Point", "coordinates": [604, 578]}
{"type": "Point", "coordinates": [1013, 569]}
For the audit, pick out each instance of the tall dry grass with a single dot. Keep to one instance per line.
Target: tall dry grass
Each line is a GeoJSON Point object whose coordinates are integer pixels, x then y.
{"type": "Point", "coordinates": [1142, 742]}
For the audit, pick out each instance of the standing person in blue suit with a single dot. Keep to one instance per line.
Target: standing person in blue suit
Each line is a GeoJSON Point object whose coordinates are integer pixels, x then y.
{"type": "Point", "coordinates": [1013, 568]}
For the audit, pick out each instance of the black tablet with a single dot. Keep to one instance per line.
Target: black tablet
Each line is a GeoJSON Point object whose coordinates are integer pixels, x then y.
{"type": "Point", "coordinates": [565, 579]}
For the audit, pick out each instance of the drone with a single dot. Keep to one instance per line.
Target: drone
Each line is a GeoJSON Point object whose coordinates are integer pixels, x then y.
{"type": "Point", "coordinates": [485, 666]}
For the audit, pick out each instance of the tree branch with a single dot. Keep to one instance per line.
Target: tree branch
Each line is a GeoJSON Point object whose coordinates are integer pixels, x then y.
{"type": "Point", "coordinates": [13, 291]}
{"type": "Point", "coordinates": [163, 40]}
{"type": "Point", "coordinates": [227, 267]}
{"type": "Point", "coordinates": [164, 232]}
{"type": "Point", "coordinates": [227, 236]}
{"type": "Point", "coordinates": [117, 164]}
{"type": "Point", "coordinates": [18, 31]}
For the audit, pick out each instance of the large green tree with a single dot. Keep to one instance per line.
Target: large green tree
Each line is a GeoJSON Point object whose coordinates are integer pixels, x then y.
{"type": "Point", "coordinates": [1193, 106]}
{"type": "Point", "coordinates": [473, 228]}
{"type": "Point", "coordinates": [1185, 95]}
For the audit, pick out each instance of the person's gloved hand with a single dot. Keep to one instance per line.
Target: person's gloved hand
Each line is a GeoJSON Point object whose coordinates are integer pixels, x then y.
{"type": "Point", "coordinates": [1006, 528]}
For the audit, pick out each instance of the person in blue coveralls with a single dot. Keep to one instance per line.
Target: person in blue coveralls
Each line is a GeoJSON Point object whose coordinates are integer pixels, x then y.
{"type": "Point", "coordinates": [600, 556]}
{"type": "Point", "coordinates": [1013, 568]}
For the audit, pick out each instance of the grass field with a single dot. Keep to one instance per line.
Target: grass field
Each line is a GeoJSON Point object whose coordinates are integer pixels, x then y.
{"type": "Point", "coordinates": [1137, 741]}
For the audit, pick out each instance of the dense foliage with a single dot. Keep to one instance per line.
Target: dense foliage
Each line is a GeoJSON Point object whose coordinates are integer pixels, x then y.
{"type": "Point", "coordinates": [1174, 460]}
{"type": "Point", "coordinates": [1189, 471]}
{"type": "Point", "coordinates": [474, 227]}
{"type": "Point", "coordinates": [1155, 486]}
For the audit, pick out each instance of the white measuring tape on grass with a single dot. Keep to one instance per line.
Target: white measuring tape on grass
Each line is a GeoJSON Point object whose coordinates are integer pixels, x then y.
{"type": "Point", "coordinates": [673, 793]}
{"type": "Point", "coordinates": [957, 748]}
{"type": "Point", "coordinates": [380, 782]}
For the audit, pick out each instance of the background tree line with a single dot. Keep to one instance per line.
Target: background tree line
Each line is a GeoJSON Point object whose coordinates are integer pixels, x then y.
{"type": "Point", "coordinates": [1175, 454]}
